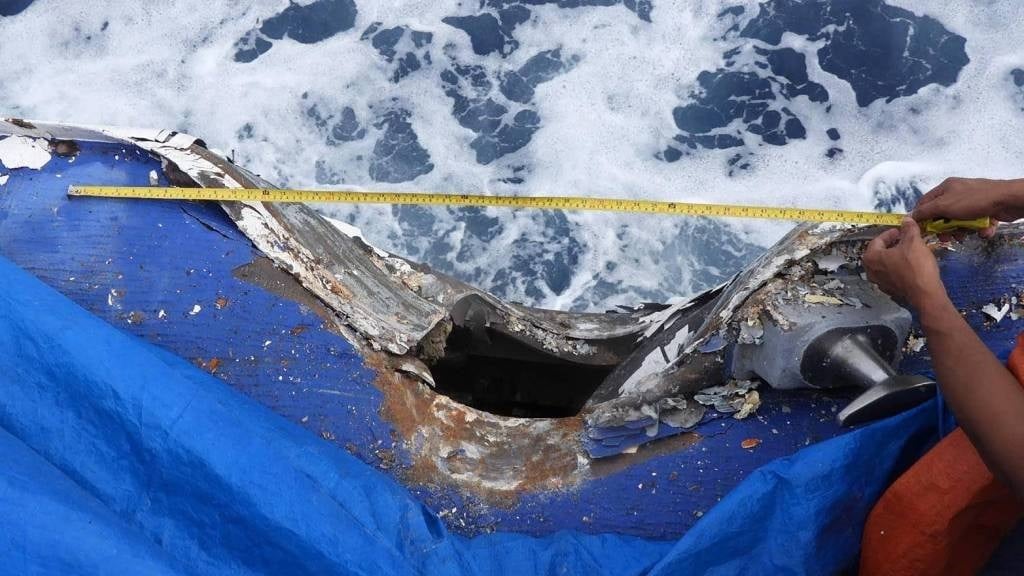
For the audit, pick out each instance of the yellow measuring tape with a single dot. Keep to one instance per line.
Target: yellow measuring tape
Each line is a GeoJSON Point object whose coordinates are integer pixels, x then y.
{"type": "Point", "coordinates": [541, 202]}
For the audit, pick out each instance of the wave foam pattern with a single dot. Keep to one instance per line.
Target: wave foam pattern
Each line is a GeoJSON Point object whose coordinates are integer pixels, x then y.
{"type": "Point", "coordinates": [856, 105]}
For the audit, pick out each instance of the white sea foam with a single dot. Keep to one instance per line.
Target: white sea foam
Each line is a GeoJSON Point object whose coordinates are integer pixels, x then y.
{"type": "Point", "coordinates": [169, 64]}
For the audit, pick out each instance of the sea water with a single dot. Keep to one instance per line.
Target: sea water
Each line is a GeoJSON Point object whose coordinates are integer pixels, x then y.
{"type": "Point", "coordinates": [836, 104]}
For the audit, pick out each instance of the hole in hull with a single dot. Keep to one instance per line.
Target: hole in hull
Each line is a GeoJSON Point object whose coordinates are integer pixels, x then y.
{"type": "Point", "coordinates": [491, 371]}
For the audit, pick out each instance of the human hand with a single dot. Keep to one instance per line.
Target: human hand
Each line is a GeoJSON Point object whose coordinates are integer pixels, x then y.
{"type": "Point", "coordinates": [900, 263]}
{"type": "Point", "coordinates": [970, 198]}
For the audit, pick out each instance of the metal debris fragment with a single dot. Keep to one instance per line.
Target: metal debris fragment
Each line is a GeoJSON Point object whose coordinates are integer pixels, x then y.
{"type": "Point", "coordinates": [751, 331]}
{"type": "Point", "coordinates": [731, 397]}
{"type": "Point", "coordinates": [823, 299]}
{"type": "Point", "coordinates": [114, 297]}
{"type": "Point", "coordinates": [996, 314]}
{"type": "Point", "coordinates": [714, 344]}
{"type": "Point", "coordinates": [851, 301]}
{"type": "Point", "coordinates": [833, 284]}
{"type": "Point", "coordinates": [915, 343]}
{"type": "Point", "coordinates": [680, 413]}
{"type": "Point", "coordinates": [656, 361]}
{"type": "Point", "coordinates": [415, 367]}
{"type": "Point", "coordinates": [657, 319]}
{"type": "Point", "coordinates": [830, 262]}
{"type": "Point", "coordinates": [751, 402]}
{"type": "Point", "coordinates": [210, 366]}
{"type": "Point", "coordinates": [1016, 307]}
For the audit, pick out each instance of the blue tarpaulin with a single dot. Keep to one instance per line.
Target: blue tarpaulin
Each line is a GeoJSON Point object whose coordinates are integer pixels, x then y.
{"type": "Point", "coordinates": [119, 457]}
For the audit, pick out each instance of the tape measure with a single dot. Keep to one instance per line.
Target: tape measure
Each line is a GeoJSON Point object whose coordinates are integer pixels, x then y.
{"type": "Point", "coordinates": [540, 202]}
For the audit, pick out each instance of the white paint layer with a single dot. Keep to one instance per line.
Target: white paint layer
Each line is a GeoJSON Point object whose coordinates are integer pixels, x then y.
{"type": "Point", "coordinates": [24, 152]}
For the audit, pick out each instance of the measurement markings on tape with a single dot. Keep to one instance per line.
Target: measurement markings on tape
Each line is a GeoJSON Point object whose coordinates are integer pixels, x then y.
{"type": "Point", "coordinates": [539, 202]}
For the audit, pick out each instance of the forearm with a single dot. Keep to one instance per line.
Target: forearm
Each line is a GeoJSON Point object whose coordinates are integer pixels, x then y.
{"type": "Point", "coordinates": [986, 398]}
{"type": "Point", "coordinates": [1011, 197]}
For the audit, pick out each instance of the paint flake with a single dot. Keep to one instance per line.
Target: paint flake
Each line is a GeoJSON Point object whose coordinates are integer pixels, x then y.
{"type": "Point", "coordinates": [823, 299]}
{"type": "Point", "coordinates": [751, 332]}
{"type": "Point", "coordinates": [996, 314]}
{"type": "Point", "coordinates": [751, 402]}
{"type": "Point", "coordinates": [830, 262]}
{"type": "Point", "coordinates": [916, 343]}
{"type": "Point", "coordinates": [24, 152]}
{"type": "Point", "coordinates": [655, 361]}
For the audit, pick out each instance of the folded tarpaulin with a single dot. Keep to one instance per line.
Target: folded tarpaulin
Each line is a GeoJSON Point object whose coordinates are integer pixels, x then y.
{"type": "Point", "coordinates": [121, 458]}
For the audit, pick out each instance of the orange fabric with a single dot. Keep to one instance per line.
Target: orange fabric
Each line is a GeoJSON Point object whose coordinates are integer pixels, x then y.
{"type": "Point", "coordinates": [945, 515]}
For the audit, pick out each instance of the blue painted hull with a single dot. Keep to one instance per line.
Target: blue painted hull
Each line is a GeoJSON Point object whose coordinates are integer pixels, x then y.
{"type": "Point", "coordinates": [174, 274]}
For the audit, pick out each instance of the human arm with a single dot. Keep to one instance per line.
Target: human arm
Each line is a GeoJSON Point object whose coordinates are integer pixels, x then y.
{"type": "Point", "coordinates": [986, 398]}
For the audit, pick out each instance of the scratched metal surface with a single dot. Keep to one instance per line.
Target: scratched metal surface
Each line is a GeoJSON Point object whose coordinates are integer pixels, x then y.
{"type": "Point", "coordinates": [127, 260]}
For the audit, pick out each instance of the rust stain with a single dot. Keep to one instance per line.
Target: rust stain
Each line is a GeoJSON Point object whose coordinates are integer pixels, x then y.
{"type": "Point", "coordinates": [65, 148]}
{"type": "Point", "coordinates": [135, 317]}
{"type": "Point", "coordinates": [750, 443]}
{"type": "Point", "coordinates": [386, 458]}
{"type": "Point", "coordinates": [494, 458]}
{"type": "Point", "coordinates": [338, 289]}
{"type": "Point", "coordinates": [22, 123]}
{"type": "Point", "coordinates": [210, 366]}
{"type": "Point", "coordinates": [298, 330]}
{"type": "Point", "coordinates": [221, 302]}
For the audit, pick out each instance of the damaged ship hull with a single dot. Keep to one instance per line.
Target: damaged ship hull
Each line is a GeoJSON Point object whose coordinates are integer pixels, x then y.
{"type": "Point", "coordinates": [286, 308]}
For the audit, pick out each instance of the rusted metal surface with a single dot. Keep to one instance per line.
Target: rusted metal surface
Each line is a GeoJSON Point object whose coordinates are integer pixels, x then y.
{"type": "Point", "coordinates": [66, 148]}
{"type": "Point", "coordinates": [21, 123]}
{"type": "Point", "coordinates": [492, 457]}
